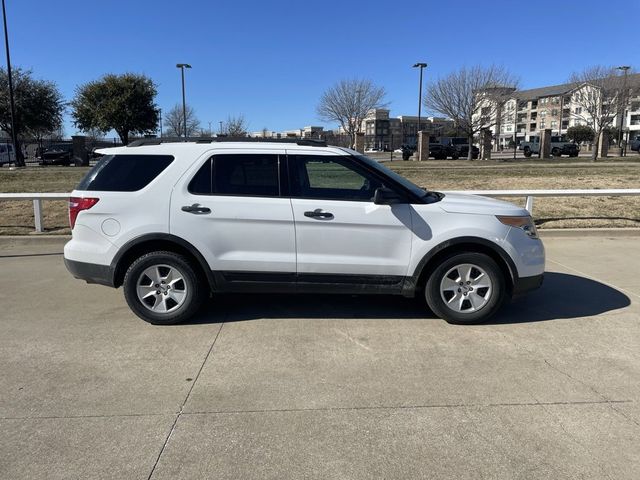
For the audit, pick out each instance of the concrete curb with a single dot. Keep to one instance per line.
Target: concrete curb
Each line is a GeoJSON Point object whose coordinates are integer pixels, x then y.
{"type": "Point", "coordinates": [588, 232]}
{"type": "Point", "coordinates": [26, 240]}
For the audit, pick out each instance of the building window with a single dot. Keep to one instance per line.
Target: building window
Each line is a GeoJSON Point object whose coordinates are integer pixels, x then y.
{"type": "Point", "coordinates": [554, 124]}
{"type": "Point", "coordinates": [578, 111]}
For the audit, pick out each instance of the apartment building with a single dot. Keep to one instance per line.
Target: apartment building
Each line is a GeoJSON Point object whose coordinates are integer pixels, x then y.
{"type": "Point", "coordinates": [383, 132]}
{"type": "Point", "coordinates": [527, 112]}
{"type": "Point", "coordinates": [305, 132]}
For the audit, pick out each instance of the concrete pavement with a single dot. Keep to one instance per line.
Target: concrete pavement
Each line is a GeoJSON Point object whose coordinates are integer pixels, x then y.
{"type": "Point", "coordinates": [323, 387]}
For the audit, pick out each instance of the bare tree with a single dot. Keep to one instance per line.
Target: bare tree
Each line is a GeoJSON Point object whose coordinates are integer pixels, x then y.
{"type": "Point", "coordinates": [348, 102]}
{"type": "Point", "coordinates": [472, 97]}
{"type": "Point", "coordinates": [174, 119]}
{"type": "Point", "coordinates": [235, 126]}
{"type": "Point", "coordinates": [598, 96]}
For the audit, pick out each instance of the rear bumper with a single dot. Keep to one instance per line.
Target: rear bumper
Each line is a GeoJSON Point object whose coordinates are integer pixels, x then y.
{"type": "Point", "coordinates": [527, 284]}
{"type": "Point", "coordinates": [90, 272]}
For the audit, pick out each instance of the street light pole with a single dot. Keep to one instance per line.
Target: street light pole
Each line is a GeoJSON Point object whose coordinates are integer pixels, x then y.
{"type": "Point", "coordinates": [515, 128]}
{"type": "Point", "coordinates": [623, 104]}
{"type": "Point", "coordinates": [160, 115]}
{"type": "Point", "coordinates": [220, 127]}
{"type": "Point", "coordinates": [14, 137]}
{"type": "Point", "coordinates": [182, 66]}
{"type": "Point", "coordinates": [421, 66]}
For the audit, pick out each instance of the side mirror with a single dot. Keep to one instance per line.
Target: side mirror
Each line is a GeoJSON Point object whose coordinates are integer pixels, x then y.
{"type": "Point", "coordinates": [386, 196]}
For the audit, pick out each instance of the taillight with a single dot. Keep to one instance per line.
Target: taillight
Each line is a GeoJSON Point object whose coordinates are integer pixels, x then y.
{"type": "Point", "coordinates": [76, 205]}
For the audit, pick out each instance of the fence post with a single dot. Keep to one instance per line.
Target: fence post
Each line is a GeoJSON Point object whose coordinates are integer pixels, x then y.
{"type": "Point", "coordinates": [37, 214]}
{"type": "Point", "coordinates": [529, 204]}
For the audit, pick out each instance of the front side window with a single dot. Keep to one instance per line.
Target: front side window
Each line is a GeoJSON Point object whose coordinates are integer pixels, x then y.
{"type": "Point", "coordinates": [242, 175]}
{"type": "Point", "coordinates": [331, 178]}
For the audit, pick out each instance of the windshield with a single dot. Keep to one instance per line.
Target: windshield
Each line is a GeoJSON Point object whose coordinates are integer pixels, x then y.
{"type": "Point", "coordinates": [413, 188]}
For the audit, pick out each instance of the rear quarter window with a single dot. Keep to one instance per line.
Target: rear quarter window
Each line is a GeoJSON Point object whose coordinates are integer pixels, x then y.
{"type": "Point", "coordinates": [124, 173]}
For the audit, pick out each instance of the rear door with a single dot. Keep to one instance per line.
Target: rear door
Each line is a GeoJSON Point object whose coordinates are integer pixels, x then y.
{"type": "Point", "coordinates": [232, 209]}
{"type": "Point", "coordinates": [339, 230]}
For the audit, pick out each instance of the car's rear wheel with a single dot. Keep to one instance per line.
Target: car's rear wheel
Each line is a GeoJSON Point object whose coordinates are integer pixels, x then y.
{"type": "Point", "coordinates": [466, 288]}
{"type": "Point", "coordinates": [163, 288]}
{"type": "Point", "coordinates": [556, 152]}
{"type": "Point", "coordinates": [527, 152]}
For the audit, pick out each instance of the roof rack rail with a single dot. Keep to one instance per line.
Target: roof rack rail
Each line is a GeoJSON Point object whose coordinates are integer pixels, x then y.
{"type": "Point", "coordinates": [309, 142]}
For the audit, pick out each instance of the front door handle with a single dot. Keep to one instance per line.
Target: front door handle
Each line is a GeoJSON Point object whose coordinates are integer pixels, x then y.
{"type": "Point", "coordinates": [318, 213]}
{"type": "Point", "coordinates": [196, 208]}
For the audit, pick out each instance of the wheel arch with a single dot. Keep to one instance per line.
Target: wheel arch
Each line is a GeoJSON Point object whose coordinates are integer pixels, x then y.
{"type": "Point", "coordinates": [436, 255]}
{"type": "Point", "coordinates": [155, 242]}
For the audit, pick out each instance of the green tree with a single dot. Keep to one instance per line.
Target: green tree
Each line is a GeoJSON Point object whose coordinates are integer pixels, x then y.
{"type": "Point", "coordinates": [39, 106]}
{"type": "Point", "coordinates": [581, 133]}
{"type": "Point", "coordinates": [124, 103]}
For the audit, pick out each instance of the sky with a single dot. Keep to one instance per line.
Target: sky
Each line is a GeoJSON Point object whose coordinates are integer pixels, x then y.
{"type": "Point", "coordinates": [270, 61]}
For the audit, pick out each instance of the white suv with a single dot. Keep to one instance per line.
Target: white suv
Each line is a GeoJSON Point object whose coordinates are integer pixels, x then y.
{"type": "Point", "coordinates": [173, 222]}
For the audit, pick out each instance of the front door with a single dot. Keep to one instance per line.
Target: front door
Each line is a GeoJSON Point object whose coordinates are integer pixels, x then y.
{"type": "Point", "coordinates": [339, 230]}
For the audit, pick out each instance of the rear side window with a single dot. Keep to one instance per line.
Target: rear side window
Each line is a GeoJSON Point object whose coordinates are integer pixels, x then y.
{"type": "Point", "coordinates": [241, 175]}
{"type": "Point", "coordinates": [124, 173]}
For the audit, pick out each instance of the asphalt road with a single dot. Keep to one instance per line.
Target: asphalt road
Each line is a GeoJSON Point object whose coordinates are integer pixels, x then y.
{"type": "Point", "coordinates": [330, 387]}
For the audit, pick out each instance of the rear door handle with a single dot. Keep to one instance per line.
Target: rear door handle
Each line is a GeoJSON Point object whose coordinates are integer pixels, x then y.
{"type": "Point", "coordinates": [318, 213]}
{"type": "Point", "coordinates": [196, 208]}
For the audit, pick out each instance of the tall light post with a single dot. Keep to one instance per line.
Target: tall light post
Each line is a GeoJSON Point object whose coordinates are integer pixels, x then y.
{"type": "Point", "coordinates": [11, 101]}
{"type": "Point", "coordinates": [220, 122]}
{"type": "Point", "coordinates": [160, 117]}
{"type": "Point", "coordinates": [421, 66]}
{"type": "Point", "coordinates": [623, 103]}
{"type": "Point", "coordinates": [182, 66]}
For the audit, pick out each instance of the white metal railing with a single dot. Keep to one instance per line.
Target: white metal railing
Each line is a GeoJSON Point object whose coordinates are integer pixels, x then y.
{"type": "Point", "coordinates": [37, 203]}
{"type": "Point", "coordinates": [529, 195]}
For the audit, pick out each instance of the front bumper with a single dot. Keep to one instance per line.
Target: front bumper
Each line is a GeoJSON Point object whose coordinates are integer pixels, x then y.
{"type": "Point", "coordinates": [91, 272]}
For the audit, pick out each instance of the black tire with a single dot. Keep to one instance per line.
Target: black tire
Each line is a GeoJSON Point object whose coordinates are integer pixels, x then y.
{"type": "Point", "coordinates": [556, 152]}
{"type": "Point", "coordinates": [405, 156]}
{"type": "Point", "coordinates": [527, 152]}
{"type": "Point", "coordinates": [194, 286]}
{"type": "Point", "coordinates": [497, 293]}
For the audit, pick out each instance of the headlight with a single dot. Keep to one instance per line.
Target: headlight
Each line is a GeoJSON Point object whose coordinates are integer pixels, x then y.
{"type": "Point", "coordinates": [525, 223]}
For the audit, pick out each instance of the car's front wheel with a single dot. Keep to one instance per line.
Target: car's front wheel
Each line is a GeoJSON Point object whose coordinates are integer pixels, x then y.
{"type": "Point", "coordinates": [466, 288]}
{"type": "Point", "coordinates": [163, 288]}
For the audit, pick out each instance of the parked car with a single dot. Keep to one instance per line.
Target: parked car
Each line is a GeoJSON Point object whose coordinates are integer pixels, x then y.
{"type": "Point", "coordinates": [7, 155]}
{"type": "Point", "coordinates": [461, 147]}
{"type": "Point", "coordinates": [441, 152]}
{"type": "Point", "coordinates": [634, 144]}
{"type": "Point", "coordinates": [57, 154]}
{"type": "Point", "coordinates": [172, 222]}
{"type": "Point", "coordinates": [407, 150]}
{"type": "Point", "coordinates": [559, 146]}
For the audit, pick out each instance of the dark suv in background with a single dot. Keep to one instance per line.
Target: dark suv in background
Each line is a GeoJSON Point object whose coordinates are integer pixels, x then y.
{"type": "Point", "coordinates": [57, 154]}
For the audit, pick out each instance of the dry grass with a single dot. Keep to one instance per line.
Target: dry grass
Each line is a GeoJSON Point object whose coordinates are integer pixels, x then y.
{"type": "Point", "coordinates": [561, 212]}
{"type": "Point", "coordinates": [17, 217]}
